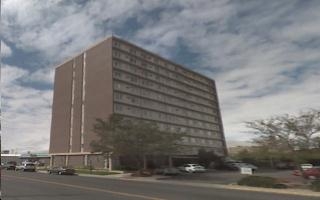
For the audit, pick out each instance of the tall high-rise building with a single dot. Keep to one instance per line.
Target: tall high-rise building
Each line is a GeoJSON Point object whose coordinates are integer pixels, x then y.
{"type": "Point", "coordinates": [116, 76]}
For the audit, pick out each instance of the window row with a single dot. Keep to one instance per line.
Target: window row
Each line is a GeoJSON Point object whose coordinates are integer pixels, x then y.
{"type": "Point", "coordinates": [164, 117]}
{"type": "Point", "coordinates": [191, 132]}
{"type": "Point", "coordinates": [162, 86]}
{"type": "Point", "coordinates": [182, 83]}
{"type": "Point", "coordinates": [151, 94]}
{"type": "Point", "coordinates": [201, 141]}
{"type": "Point", "coordinates": [163, 63]}
{"type": "Point", "coordinates": [194, 149]}
{"type": "Point", "coordinates": [163, 107]}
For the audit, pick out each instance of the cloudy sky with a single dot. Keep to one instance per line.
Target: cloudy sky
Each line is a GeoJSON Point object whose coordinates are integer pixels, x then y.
{"type": "Point", "coordinates": [264, 55]}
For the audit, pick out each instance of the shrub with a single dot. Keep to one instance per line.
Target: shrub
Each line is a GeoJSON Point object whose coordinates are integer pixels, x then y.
{"type": "Point", "coordinates": [89, 167]}
{"type": "Point", "coordinates": [142, 173]}
{"type": "Point", "coordinates": [95, 172]}
{"type": "Point", "coordinates": [315, 186]}
{"type": "Point", "coordinates": [261, 181]}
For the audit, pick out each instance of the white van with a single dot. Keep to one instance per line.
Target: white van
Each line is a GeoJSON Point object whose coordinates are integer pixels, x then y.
{"type": "Point", "coordinates": [26, 166]}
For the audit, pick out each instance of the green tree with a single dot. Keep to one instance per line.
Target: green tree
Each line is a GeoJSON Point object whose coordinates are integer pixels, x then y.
{"type": "Point", "coordinates": [206, 158]}
{"type": "Point", "coordinates": [136, 138]}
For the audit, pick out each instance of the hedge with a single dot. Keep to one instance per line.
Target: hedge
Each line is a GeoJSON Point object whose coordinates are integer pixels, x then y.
{"type": "Point", "coordinates": [261, 181]}
{"type": "Point", "coordinates": [315, 186]}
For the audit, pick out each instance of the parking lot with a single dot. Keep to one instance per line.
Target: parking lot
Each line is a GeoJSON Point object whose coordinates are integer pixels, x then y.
{"type": "Point", "coordinates": [231, 177]}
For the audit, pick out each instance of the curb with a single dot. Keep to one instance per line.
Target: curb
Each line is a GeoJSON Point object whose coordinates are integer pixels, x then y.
{"type": "Point", "coordinates": [111, 176]}
{"type": "Point", "coordinates": [42, 172]}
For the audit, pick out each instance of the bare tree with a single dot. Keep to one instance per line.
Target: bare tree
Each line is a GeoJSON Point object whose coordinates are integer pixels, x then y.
{"type": "Point", "coordinates": [272, 133]}
{"type": "Point", "coordinates": [287, 133]}
{"type": "Point", "coordinates": [305, 127]}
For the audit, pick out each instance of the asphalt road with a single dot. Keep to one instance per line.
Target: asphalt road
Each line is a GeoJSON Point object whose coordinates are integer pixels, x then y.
{"type": "Point", "coordinates": [36, 186]}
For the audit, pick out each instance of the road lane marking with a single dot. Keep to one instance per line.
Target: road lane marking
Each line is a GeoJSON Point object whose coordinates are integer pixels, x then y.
{"type": "Point", "coordinates": [87, 188]}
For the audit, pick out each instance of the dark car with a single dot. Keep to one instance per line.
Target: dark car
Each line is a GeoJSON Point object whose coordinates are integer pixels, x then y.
{"type": "Point", "coordinates": [167, 171]}
{"type": "Point", "coordinates": [62, 170]}
{"type": "Point", "coordinates": [11, 165]}
{"type": "Point", "coordinates": [231, 165]}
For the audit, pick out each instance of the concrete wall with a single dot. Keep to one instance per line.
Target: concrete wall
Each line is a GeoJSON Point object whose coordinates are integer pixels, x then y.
{"type": "Point", "coordinates": [58, 160]}
{"type": "Point", "coordinates": [76, 160]}
{"type": "Point", "coordinates": [82, 86]}
{"type": "Point", "coordinates": [98, 88]}
{"type": "Point", "coordinates": [60, 124]}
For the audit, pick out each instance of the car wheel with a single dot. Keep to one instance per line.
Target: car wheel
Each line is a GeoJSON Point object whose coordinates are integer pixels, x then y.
{"type": "Point", "coordinates": [60, 173]}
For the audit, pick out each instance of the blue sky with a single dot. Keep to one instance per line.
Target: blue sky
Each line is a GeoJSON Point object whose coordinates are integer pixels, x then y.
{"type": "Point", "coordinates": [264, 55]}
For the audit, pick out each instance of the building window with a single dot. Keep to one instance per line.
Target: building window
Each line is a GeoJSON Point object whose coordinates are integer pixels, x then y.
{"type": "Point", "coordinates": [132, 51]}
{"type": "Point", "coordinates": [134, 79]}
{"type": "Point", "coordinates": [144, 64]}
{"type": "Point", "coordinates": [118, 85]}
{"type": "Point", "coordinates": [133, 69]}
{"type": "Point", "coordinates": [117, 74]}
{"type": "Point", "coordinates": [132, 60]}
{"type": "Point", "coordinates": [116, 44]}
{"type": "Point", "coordinates": [118, 107]}
{"type": "Point", "coordinates": [116, 53]}
{"type": "Point", "coordinates": [118, 96]}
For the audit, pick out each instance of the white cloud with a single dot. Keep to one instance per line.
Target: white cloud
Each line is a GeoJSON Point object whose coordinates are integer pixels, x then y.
{"type": "Point", "coordinates": [41, 76]}
{"type": "Point", "coordinates": [59, 29]}
{"type": "Point", "coordinates": [5, 50]}
{"type": "Point", "coordinates": [264, 56]}
{"type": "Point", "coordinates": [251, 63]}
{"type": "Point", "coordinates": [26, 113]}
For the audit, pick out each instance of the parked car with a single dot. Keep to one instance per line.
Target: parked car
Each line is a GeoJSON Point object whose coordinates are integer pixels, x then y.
{"type": "Point", "coordinates": [311, 173]}
{"type": "Point", "coordinates": [306, 166]}
{"type": "Point", "coordinates": [11, 165]}
{"type": "Point", "coordinates": [171, 171]}
{"type": "Point", "coordinates": [26, 166]}
{"type": "Point", "coordinates": [230, 166]}
{"type": "Point", "coordinates": [308, 173]}
{"type": "Point", "coordinates": [62, 170]}
{"type": "Point", "coordinates": [246, 165]}
{"type": "Point", "coordinates": [167, 171]}
{"type": "Point", "coordinates": [238, 165]}
{"type": "Point", "coordinates": [191, 168]}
